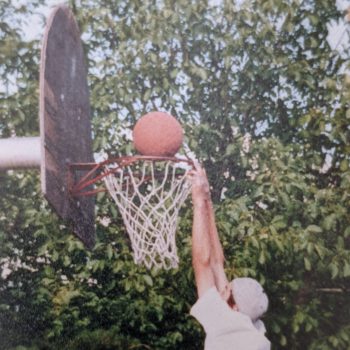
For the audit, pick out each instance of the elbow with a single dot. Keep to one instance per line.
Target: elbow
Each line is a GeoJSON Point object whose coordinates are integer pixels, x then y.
{"type": "Point", "coordinates": [201, 260]}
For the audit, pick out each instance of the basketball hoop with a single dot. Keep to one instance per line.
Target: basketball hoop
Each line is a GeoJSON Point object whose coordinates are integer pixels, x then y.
{"type": "Point", "coordinates": [149, 192]}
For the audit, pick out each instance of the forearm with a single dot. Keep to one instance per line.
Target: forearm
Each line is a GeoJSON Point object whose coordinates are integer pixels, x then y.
{"type": "Point", "coordinates": [207, 254]}
{"type": "Point", "coordinates": [217, 258]}
{"type": "Point", "coordinates": [217, 253]}
{"type": "Point", "coordinates": [201, 249]}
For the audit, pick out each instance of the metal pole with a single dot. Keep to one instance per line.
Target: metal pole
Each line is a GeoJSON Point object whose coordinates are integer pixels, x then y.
{"type": "Point", "coordinates": [20, 152]}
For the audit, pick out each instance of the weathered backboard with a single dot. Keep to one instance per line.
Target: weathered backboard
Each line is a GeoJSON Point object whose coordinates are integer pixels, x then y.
{"type": "Point", "coordinates": [65, 121]}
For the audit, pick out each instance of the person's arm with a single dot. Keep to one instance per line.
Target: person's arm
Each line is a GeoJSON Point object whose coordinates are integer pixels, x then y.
{"type": "Point", "coordinates": [204, 229]}
{"type": "Point", "coordinates": [201, 249]}
{"type": "Point", "coordinates": [217, 258]}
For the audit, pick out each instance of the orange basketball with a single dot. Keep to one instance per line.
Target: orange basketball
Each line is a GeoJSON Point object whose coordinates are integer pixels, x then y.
{"type": "Point", "coordinates": [157, 134]}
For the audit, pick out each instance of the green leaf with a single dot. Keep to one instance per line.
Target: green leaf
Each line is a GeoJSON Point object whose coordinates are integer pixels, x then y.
{"type": "Point", "coordinates": [320, 251]}
{"type": "Point", "coordinates": [262, 258]}
{"type": "Point", "coordinates": [147, 95]}
{"type": "Point", "coordinates": [346, 269]}
{"type": "Point", "coordinates": [307, 264]}
{"type": "Point", "coordinates": [314, 229]}
{"type": "Point", "coordinates": [334, 270]}
{"type": "Point", "coordinates": [344, 165]}
{"type": "Point", "coordinates": [109, 251]}
{"type": "Point", "coordinates": [66, 260]}
{"type": "Point", "coordinates": [148, 280]}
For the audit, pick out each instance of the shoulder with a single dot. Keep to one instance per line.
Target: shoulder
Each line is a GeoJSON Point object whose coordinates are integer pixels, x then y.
{"type": "Point", "coordinates": [209, 300]}
{"type": "Point", "coordinates": [216, 316]}
{"type": "Point", "coordinates": [224, 326]}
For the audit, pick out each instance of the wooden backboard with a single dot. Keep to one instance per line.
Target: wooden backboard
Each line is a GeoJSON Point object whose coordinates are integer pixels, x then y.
{"type": "Point", "coordinates": [65, 126]}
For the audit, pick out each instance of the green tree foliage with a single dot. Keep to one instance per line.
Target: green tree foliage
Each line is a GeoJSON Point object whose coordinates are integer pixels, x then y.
{"type": "Point", "coordinates": [264, 101]}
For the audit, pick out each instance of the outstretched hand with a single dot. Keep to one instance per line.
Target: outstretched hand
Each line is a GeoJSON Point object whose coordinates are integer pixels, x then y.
{"type": "Point", "coordinates": [200, 184]}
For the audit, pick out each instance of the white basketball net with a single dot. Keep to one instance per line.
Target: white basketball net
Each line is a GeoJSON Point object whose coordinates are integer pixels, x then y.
{"type": "Point", "coordinates": [149, 196]}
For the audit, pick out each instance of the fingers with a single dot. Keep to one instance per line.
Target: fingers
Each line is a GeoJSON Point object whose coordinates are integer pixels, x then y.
{"type": "Point", "coordinates": [197, 171]}
{"type": "Point", "coordinates": [199, 180]}
{"type": "Point", "coordinates": [196, 164]}
{"type": "Point", "coordinates": [191, 174]}
{"type": "Point", "coordinates": [198, 167]}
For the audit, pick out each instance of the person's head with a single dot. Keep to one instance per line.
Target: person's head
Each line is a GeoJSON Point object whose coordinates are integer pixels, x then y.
{"type": "Point", "coordinates": [249, 297]}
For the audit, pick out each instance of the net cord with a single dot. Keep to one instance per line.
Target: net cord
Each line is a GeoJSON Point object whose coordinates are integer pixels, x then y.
{"type": "Point", "coordinates": [150, 207]}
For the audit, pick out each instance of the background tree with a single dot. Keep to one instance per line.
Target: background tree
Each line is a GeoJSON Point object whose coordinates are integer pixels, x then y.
{"type": "Point", "coordinates": [265, 104]}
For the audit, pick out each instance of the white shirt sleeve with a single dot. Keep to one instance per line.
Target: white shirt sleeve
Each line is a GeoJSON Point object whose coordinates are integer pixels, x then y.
{"type": "Point", "coordinates": [226, 328]}
{"type": "Point", "coordinates": [216, 316]}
